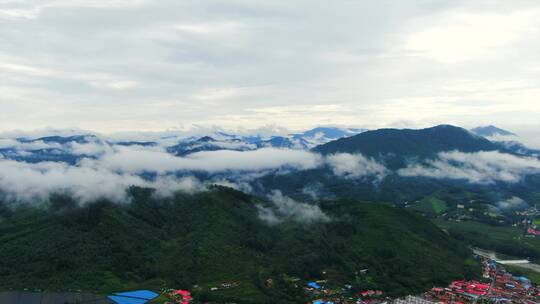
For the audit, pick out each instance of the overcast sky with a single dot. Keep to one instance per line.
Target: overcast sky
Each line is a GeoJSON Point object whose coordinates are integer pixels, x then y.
{"type": "Point", "coordinates": [118, 65]}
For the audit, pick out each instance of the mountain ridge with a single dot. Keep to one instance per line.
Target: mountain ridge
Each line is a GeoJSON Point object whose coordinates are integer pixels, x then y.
{"type": "Point", "coordinates": [409, 142]}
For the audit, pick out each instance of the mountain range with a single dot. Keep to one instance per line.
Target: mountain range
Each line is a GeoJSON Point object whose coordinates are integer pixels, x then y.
{"type": "Point", "coordinates": [326, 140]}
{"type": "Point", "coordinates": [352, 206]}
{"type": "Point", "coordinates": [70, 149]}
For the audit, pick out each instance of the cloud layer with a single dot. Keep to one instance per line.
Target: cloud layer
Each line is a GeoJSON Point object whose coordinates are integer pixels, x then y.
{"type": "Point", "coordinates": [95, 167]}
{"type": "Point", "coordinates": [355, 166]}
{"type": "Point", "coordinates": [132, 160]}
{"type": "Point", "coordinates": [28, 182]}
{"type": "Point", "coordinates": [111, 169]}
{"type": "Point", "coordinates": [477, 168]}
{"type": "Point", "coordinates": [148, 65]}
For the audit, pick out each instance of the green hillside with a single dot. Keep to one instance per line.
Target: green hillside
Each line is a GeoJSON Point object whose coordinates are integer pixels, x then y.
{"type": "Point", "coordinates": [213, 237]}
{"type": "Point", "coordinates": [395, 145]}
{"type": "Point", "coordinates": [502, 239]}
{"type": "Point", "coordinates": [431, 206]}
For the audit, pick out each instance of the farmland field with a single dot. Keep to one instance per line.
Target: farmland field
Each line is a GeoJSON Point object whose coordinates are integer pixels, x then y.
{"type": "Point", "coordinates": [431, 205]}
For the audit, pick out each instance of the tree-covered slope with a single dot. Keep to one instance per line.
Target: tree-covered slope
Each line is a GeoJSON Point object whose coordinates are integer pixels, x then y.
{"type": "Point", "coordinates": [214, 237]}
{"type": "Point", "coordinates": [409, 143]}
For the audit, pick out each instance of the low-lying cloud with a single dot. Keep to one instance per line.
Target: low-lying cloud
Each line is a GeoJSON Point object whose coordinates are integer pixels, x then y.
{"type": "Point", "coordinates": [529, 138]}
{"type": "Point", "coordinates": [118, 168]}
{"type": "Point", "coordinates": [7, 143]}
{"type": "Point", "coordinates": [27, 181]}
{"type": "Point", "coordinates": [476, 168]}
{"type": "Point", "coordinates": [513, 203]}
{"type": "Point", "coordinates": [285, 208]}
{"type": "Point", "coordinates": [134, 160]}
{"type": "Point", "coordinates": [97, 168]}
{"type": "Point", "coordinates": [355, 166]}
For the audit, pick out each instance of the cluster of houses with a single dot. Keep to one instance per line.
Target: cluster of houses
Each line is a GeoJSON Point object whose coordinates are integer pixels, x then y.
{"type": "Point", "coordinates": [225, 285]}
{"type": "Point", "coordinates": [533, 230]}
{"type": "Point", "coordinates": [500, 286]}
{"type": "Point", "coordinates": [178, 296]}
{"type": "Point", "coordinates": [325, 295]}
{"type": "Point", "coordinates": [342, 295]}
{"type": "Point", "coordinates": [132, 297]}
{"type": "Point", "coordinates": [497, 286]}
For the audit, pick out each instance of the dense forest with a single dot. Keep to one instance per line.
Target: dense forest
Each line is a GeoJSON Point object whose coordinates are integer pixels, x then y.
{"type": "Point", "coordinates": [216, 236]}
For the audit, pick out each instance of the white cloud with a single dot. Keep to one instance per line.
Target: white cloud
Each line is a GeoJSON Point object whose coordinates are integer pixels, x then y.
{"type": "Point", "coordinates": [459, 36]}
{"type": "Point", "coordinates": [512, 203]}
{"type": "Point", "coordinates": [285, 208]}
{"type": "Point", "coordinates": [130, 159]}
{"type": "Point", "coordinates": [355, 166]}
{"type": "Point", "coordinates": [25, 181]}
{"type": "Point", "coordinates": [107, 170]}
{"type": "Point", "coordinates": [527, 137]}
{"type": "Point", "coordinates": [8, 143]}
{"type": "Point", "coordinates": [25, 146]}
{"type": "Point", "coordinates": [477, 168]}
{"type": "Point", "coordinates": [90, 148]}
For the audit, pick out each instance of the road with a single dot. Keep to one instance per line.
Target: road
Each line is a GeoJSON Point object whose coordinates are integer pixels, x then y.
{"type": "Point", "coordinates": [518, 263]}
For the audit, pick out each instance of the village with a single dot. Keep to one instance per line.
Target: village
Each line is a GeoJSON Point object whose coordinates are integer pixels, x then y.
{"type": "Point", "coordinates": [496, 286]}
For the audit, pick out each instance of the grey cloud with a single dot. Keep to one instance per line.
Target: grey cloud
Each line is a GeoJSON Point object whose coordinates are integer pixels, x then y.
{"type": "Point", "coordinates": [120, 65]}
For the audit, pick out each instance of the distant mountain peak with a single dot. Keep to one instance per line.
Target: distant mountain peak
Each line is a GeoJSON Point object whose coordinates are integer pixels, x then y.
{"type": "Point", "coordinates": [322, 135]}
{"type": "Point", "coordinates": [206, 139]}
{"type": "Point", "coordinates": [489, 131]}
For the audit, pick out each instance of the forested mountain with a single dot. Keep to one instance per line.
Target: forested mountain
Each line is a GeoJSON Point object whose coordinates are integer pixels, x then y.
{"type": "Point", "coordinates": [409, 143]}
{"type": "Point", "coordinates": [219, 236]}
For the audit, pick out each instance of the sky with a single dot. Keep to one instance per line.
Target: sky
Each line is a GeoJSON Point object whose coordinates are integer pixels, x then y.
{"type": "Point", "coordinates": [124, 65]}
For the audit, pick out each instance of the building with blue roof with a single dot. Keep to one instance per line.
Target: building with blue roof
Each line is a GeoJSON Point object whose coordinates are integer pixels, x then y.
{"type": "Point", "coordinates": [140, 294]}
{"type": "Point", "coordinates": [127, 300]}
{"type": "Point", "coordinates": [133, 297]}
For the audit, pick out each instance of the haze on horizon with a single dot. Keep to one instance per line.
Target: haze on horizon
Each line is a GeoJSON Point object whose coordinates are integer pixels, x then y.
{"type": "Point", "coordinates": [142, 65]}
